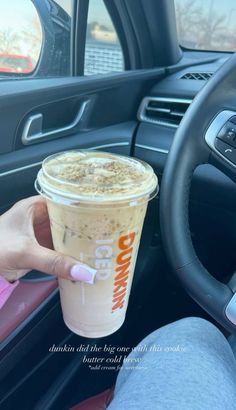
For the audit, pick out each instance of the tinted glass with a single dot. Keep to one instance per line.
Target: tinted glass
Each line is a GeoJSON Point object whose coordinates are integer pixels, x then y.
{"type": "Point", "coordinates": [103, 52]}
{"type": "Point", "coordinates": [20, 36]}
{"type": "Point", "coordinates": [35, 39]}
{"type": "Point", "coordinates": [207, 24]}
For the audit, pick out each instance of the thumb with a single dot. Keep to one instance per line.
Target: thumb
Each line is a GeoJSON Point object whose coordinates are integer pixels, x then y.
{"type": "Point", "coordinates": [54, 263]}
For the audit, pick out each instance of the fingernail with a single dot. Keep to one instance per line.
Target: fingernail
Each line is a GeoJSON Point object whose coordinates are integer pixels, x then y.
{"type": "Point", "coordinates": [82, 273]}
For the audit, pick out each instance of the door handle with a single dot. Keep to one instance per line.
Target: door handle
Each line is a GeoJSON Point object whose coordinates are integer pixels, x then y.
{"type": "Point", "coordinates": [33, 128]}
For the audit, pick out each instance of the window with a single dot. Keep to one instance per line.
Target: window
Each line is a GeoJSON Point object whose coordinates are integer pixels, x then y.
{"type": "Point", "coordinates": [20, 38]}
{"type": "Point", "coordinates": [35, 39]}
{"type": "Point", "coordinates": [206, 24]}
{"type": "Point", "coordinates": [102, 51]}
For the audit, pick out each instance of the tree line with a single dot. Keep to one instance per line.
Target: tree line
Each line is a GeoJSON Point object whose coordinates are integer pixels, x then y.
{"type": "Point", "coordinates": [203, 28]}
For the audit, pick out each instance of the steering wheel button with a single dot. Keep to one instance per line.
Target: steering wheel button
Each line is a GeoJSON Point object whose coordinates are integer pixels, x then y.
{"type": "Point", "coordinates": [233, 120]}
{"type": "Point", "coordinates": [228, 151]}
{"type": "Point", "coordinates": [228, 134]}
{"type": "Point", "coordinates": [231, 134]}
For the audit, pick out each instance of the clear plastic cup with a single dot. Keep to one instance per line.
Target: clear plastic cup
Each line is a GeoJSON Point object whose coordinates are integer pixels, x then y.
{"type": "Point", "coordinates": [97, 204]}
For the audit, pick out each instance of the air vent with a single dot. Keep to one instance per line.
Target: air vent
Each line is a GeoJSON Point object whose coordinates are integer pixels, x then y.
{"type": "Point", "coordinates": [163, 111]}
{"type": "Point", "coordinates": [197, 76]}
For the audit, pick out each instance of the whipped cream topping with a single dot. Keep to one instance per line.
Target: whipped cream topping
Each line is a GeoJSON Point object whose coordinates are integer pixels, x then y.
{"type": "Point", "coordinates": [97, 174]}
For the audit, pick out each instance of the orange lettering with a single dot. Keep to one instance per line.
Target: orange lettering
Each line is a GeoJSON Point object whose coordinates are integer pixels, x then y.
{"type": "Point", "coordinates": [119, 303]}
{"type": "Point", "coordinates": [123, 241]}
{"type": "Point", "coordinates": [118, 294]}
{"type": "Point", "coordinates": [120, 258]}
{"type": "Point", "coordinates": [121, 275]}
{"type": "Point", "coordinates": [122, 283]}
{"type": "Point", "coordinates": [122, 268]}
{"type": "Point", "coordinates": [121, 279]}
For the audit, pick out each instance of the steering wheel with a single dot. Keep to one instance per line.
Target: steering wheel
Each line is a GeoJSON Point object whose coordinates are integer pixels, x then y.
{"type": "Point", "coordinates": [207, 134]}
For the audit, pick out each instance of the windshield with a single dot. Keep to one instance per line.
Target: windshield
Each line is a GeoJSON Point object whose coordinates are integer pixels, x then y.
{"type": "Point", "coordinates": [206, 24]}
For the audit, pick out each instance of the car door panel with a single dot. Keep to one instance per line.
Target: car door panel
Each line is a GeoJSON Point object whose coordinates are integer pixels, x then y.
{"type": "Point", "coordinates": [22, 166]}
{"type": "Point", "coordinates": [108, 123]}
{"type": "Point", "coordinates": [27, 297]}
{"type": "Point", "coordinates": [18, 99]}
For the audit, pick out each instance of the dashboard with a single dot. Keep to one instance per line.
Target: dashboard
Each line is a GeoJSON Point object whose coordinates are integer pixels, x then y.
{"type": "Point", "coordinates": [212, 207]}
{"type": "Point", "coordinates": [158, 123]}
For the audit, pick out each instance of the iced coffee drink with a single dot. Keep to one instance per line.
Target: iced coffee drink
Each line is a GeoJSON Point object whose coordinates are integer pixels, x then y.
{"type": "Point", "coordinates": [97, 203]}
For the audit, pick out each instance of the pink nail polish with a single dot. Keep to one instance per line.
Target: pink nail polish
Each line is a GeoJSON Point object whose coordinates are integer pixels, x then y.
{"type": "Point", "coordinates": [83, 274]}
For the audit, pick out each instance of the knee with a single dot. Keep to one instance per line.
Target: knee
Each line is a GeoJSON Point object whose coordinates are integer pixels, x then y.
{"type": "Point", "coordinates": [196, 327]}
{"type": "Point", "coordinates": [199, 334]}
{"type": "Point", "coordinates": [192, 333]}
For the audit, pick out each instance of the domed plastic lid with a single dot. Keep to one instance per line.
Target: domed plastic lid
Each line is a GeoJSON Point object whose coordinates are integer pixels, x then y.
{"type": "Point", "coordinates": [94, 176]}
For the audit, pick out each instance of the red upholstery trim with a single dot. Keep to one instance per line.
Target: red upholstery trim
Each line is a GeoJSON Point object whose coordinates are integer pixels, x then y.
{"type": "Point", "coordinates": [25, 298]}
{"type": "Point", "coordinates": [98, 402]}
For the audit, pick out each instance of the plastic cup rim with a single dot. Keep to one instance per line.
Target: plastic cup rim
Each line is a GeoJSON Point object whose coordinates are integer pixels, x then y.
{"type": "Point", "coordinates": [57, 195]}
{"type": "Point", "coordinates": [70, 199]}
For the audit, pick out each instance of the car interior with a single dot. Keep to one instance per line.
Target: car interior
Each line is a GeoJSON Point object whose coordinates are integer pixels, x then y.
{"type": "Point", "coordinates": [172, 105]}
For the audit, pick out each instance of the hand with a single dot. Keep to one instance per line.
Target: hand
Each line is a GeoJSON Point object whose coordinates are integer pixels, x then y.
{"type": "Point", "coordinates": [26, 244]}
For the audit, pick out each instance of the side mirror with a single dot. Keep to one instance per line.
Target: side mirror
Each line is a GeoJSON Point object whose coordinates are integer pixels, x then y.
{"type": "Point", "coordinates": [34, 39]}
{"type": "Point", "coordinates": [21, 37]}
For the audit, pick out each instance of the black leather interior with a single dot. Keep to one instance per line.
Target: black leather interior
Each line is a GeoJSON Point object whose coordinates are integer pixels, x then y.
{"type": "Point", "coordinates": [189, 150]}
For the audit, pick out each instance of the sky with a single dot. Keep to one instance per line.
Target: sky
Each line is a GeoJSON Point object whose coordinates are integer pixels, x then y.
{"type": "Point", "coordinates": [225, 7]}
{"type": "Point", "coordinates": [221, 5]}
{"type": "Point", "coordinates": [98, 12]}
{"type": "Point", "coordinates": [65, 4]}
{"type": "Point", "coordinates": [11, 10]}
{"type": "Point", "coordinates": [17, 15]}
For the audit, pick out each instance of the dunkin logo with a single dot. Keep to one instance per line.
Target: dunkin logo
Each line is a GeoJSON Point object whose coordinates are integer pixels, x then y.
{"type": "Point", "coordinates": [123, 261]}
{"type": "Point", "coordinates": [104, 266]}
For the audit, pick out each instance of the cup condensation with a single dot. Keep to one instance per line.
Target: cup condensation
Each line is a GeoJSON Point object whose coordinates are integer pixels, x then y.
{"type": "Point", "coordinates": [97, 204]}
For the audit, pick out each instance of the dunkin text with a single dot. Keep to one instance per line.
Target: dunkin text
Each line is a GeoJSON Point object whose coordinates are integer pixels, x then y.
{"type": "Point", "coordinates": [104, 265]}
